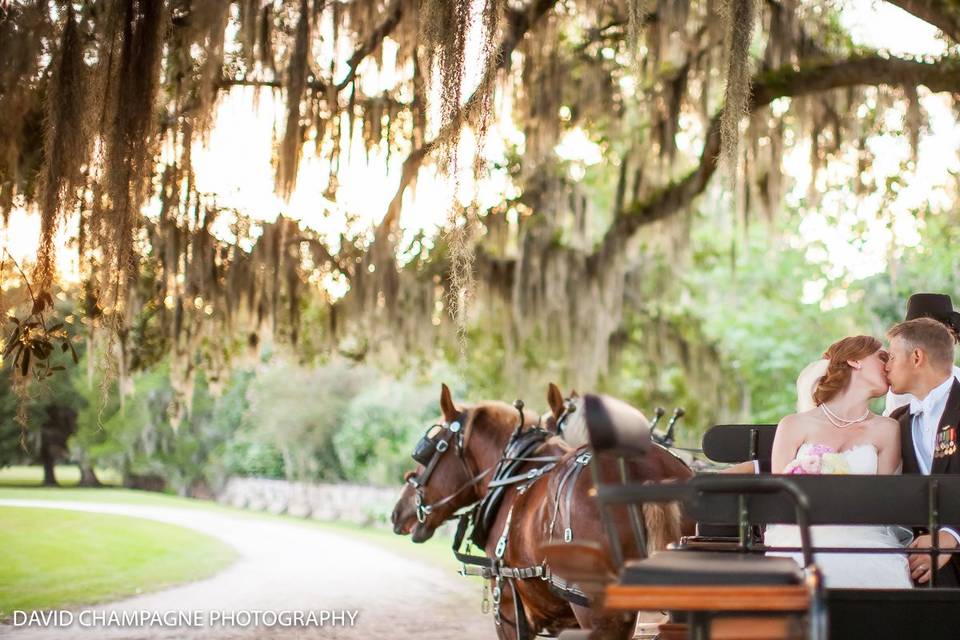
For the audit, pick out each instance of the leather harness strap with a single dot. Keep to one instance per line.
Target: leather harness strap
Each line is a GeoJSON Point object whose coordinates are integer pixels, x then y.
{"type": "Point", "coordinates": [579, 465]}
{"type": "Point", "coordinates": [568, 480]}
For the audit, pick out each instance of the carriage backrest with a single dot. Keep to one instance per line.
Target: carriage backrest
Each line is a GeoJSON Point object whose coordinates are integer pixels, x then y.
{"type": "Point", "coordinates": [613, 426]}
{"type": "Point", "coordinates": [738, 442]}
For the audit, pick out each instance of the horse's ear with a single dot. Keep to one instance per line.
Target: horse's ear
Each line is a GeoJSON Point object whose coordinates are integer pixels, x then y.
{"type": "Point", "coordinates": [555, 400]}
{"type": "Point", "coordinates": [447, 408]}
{"type": "Point", "coordinates": [574, 394]}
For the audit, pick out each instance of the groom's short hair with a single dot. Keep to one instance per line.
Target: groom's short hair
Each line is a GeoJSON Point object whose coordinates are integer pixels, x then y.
{"type": "Point", "coordinates": [927, 334]}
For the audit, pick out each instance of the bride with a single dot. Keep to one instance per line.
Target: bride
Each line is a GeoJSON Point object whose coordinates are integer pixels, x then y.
{"type": "Point", "coordinates": [835, 432]}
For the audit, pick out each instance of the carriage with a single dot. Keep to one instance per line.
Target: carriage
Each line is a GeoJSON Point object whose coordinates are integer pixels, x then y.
{"type": "Point", "coordinates": [562, 547]}
{"type": "Point", "coordinates": [718, 583]}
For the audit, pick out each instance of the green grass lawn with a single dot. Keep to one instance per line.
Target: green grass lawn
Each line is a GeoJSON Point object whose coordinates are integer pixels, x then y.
{"type": "Point", "coordinates": [68, 475]}
{"type": "Point", "coordinates": [53, 557]}
{"type": "Point", "coordinates": [63, 582]}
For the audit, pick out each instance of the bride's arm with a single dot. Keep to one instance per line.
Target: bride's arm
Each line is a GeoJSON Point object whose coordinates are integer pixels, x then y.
{"type": "Point", "coordinates": [786, 441]}
{"type": "Point", "coordinates": [889, 445]}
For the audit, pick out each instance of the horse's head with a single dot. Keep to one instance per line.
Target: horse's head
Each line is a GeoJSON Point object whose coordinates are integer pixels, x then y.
{"type": "Point", "coordinates": [561, 408]}
{"type": "Point", "coordinates": [454, 457]}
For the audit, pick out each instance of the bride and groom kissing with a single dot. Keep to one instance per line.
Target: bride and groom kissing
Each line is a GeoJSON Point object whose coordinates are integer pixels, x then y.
{"type": "Point", "coordinates": [834, 431]}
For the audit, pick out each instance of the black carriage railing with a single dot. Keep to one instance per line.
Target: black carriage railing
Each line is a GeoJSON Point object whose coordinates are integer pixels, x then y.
{"type": "Point", "coordinates": [718, 490]}
{"type": "Point", "coordinates": [929, 502]}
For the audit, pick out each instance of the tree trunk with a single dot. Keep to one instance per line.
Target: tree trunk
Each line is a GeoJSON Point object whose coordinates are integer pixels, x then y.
{"type": "Point", "coordinates": [60, 424]}
{"type": "Point", "coordinates": [49, 475]}
{"type": "Point", "coordinates": [88, 477]}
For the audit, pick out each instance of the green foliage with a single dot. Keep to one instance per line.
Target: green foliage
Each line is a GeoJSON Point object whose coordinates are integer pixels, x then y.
{"type": "Point", "coordinates": [92, 442]}
{"type": "Point", "coordinates": [138, 438]}
{"type": "Point", "coordinates": [328, 422]}
{"type": "Point", "coordinates": [18, 445]}
{"type": "Point", "coordinates": [749, 294]}
{"type": "Point", "coordinates": [243, 453]}
{"type": "Point", "coordinates": [751, 305]}
{"type": "Point", "coordinates": [298, 409]}
{"type": "Point", "coordinates": [930, 266]}
{"type": "Point", "coordinates": [38, 339]}
{"type": "Point", "coordinates": [380, 428]}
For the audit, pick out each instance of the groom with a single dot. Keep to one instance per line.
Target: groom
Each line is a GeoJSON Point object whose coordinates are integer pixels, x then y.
{"type": "Point", "coordinates": [920, 363]}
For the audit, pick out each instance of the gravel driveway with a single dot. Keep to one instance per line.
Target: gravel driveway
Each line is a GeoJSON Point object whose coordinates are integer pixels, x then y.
{"type": "Point", "coordinates": [287, 567]}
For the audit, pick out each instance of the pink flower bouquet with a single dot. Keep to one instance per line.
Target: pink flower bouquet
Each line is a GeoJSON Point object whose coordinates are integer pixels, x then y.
{"type": "Point", "coordinates": [818, 459]}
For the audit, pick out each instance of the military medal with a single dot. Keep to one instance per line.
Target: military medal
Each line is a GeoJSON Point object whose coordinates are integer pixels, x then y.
{"type": "Point", "coordinates": [946, 442]}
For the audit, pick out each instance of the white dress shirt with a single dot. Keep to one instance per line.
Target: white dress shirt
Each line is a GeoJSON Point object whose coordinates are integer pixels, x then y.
{"type": "Point", "coordinates": [926, 421]}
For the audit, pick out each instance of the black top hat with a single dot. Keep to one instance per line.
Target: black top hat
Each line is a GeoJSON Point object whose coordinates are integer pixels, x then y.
{"type": "Point", "coordinates": [933, 305]}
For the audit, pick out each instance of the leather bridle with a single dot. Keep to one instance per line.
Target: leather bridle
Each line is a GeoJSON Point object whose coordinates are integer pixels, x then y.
{"type": "Point", "coordinates": [429, 451]}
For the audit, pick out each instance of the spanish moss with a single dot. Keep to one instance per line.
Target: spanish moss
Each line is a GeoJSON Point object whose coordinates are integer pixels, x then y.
{"type": "Point", "coordinates": [66, 145]}
{"type": "Point", "coordinates": [740, 18]}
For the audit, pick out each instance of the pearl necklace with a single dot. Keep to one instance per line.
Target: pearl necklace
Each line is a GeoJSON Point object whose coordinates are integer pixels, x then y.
{"type": "Point", "coordinates": [842, 423]}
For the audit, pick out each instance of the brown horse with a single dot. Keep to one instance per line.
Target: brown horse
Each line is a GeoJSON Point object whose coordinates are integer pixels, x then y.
{"type": "Point", "coordinates": [528, 516]}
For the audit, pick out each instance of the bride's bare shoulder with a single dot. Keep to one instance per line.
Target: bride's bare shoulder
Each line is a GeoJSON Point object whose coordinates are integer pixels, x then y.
{"type": "Point", "coordinates": [885, 423]}
{"type": "Point", "coordinates": [796, 421]}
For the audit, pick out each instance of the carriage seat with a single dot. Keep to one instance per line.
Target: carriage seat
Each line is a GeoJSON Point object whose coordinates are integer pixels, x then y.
{"type": "Point", "coordinates": [731, 444]}
{"type": "Point", "coordinates": [705, 568]}
{"type": "Point", "coordinates": [614, 426]}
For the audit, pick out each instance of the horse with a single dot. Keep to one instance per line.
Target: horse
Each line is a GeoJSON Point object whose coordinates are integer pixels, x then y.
{"type": "Point", "coordinates": [530, 511]}
{"type": "Point", "coordinates": [404, 515]}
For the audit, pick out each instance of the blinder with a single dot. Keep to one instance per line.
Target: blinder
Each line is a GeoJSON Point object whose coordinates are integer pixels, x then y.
{"type": "Point", "coordinates": [428, 451]}
{"type": "Point", "coordinates": [432, 442]}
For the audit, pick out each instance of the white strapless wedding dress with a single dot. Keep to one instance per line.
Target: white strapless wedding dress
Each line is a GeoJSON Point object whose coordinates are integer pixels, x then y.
{"type": "Point", "coordinates": [859, 570]}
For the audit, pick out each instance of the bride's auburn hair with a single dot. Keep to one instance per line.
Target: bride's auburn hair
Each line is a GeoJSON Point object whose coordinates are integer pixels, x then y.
{"type": "Point", "coordinates": [837, 377]}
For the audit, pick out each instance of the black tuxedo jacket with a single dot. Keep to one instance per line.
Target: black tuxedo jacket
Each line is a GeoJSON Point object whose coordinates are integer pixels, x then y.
{"type": "Point", "coordinates": [946, 459]}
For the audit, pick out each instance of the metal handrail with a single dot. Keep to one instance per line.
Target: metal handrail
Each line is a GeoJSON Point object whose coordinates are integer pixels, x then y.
{"type": "Point", "coordinates": [626, 494]}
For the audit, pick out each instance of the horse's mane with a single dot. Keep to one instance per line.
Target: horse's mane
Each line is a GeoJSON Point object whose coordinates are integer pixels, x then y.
{"type": "Point", "coordinates": [560, 443]}
{"type": "Point", "coordinates": [503, 414]}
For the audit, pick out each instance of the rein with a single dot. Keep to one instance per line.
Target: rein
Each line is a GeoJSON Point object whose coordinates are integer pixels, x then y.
{"type": "Point", "coordinates": [423, 510]}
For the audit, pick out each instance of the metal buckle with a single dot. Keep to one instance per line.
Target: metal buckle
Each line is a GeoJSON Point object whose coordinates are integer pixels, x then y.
{"type": "Point", "coordinates": [423, 510]}
{"type": "Point", "coordinates": [454, 426]}
{"type": "Point", "coordinates": [567, 534]}
{"type": "Point", "coordinates": [442, 446]}
{"type": "Point", "coordinates": [544, 571]}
